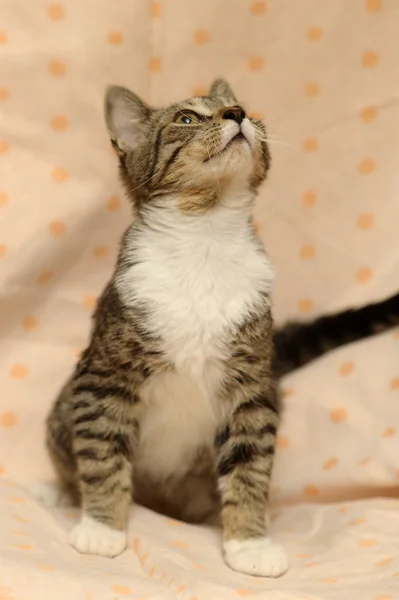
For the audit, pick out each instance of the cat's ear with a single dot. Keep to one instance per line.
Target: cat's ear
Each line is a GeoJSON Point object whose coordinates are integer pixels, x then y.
{"type": "Point", "coordinates": [126, 116]}
{"type": "Point", "coordinates": [221, 89]}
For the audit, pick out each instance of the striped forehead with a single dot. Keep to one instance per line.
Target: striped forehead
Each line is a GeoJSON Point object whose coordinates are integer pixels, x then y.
{"type": "Point", "coordinates": [203, 105]}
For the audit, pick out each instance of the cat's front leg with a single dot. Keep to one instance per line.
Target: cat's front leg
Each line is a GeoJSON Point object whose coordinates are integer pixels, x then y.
{"type": "Point", "coordinates": [104, 430]}
{"type": "Point", "coordinates": [245, 450]}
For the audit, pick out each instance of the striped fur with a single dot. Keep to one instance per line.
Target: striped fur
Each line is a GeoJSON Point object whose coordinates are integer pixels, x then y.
{"type": "Point", "coordinates": [174, 402]}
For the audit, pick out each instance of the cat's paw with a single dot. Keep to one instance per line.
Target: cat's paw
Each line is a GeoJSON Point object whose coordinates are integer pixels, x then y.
{"type": "Point", "coordinates": [257, 556]}
{"type": "Point", "coordinates": [51, 494]}
{"type": "Point", "coordinates": [92, 537]}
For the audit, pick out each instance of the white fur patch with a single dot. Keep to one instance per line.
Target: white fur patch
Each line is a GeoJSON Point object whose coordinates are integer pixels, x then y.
{"type": "Point", "coordinates": [249, 132]}
{"type": "Point", "coordinates": [258, 556]}
{"type": "Point", "coordinates": [92, 537]}
{"type": "Point", "coordinates": [199, 277]}
{"type": "Point", "coordinates": [51, 494]}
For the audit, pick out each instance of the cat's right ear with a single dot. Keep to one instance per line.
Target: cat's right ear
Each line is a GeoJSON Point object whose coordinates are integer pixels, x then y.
{"type": "Point", "coordinates": [126, 116]}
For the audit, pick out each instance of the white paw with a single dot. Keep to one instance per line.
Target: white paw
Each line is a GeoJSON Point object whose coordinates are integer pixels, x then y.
{"type": "Point", "coordinates": [92, 537]}
{"type": "Point", "coordinates": [51, 494]}
{"type": "Point", "coordinates": [257, 556]}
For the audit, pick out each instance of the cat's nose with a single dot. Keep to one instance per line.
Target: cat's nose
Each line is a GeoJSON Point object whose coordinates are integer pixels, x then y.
{"type": "Point", "coordinates": [235, 113]}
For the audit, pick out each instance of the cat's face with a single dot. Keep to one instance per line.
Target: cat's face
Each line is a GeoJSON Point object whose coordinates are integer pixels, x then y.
{"type": "Point", "coordinates": [193, 151]}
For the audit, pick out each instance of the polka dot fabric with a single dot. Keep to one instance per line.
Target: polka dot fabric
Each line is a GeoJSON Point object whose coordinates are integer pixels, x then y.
{"type": "Point", "coordinates": [323, 75]}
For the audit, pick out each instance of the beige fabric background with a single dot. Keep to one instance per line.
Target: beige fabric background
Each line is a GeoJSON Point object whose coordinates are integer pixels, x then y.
{"type": "Point", "coordinates": [324, 74]}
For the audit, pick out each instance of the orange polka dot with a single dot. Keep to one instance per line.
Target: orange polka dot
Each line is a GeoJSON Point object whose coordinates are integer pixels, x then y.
{"type": "Point", "coordinates": [114, 203]}
{"type": "Point", "coordinates": [307, 252]}
{"type": "Point", "coordinates": [366, 543]}
{"type": "Point", "coordinates": [384, 562]}
{"type": "Point", "coordinates": [287, 393]}
{"type": "Point", "coordinates": [89, 301]}
{"type": "Point", "coordinates": [343, 509]}
{"type": "Point", "coordinates": [199, 90]}
{"type": "Point", "coordinates": [364, 462]}
{"type": "Point", "coordinates": [245, 592]}
{"type": "Point", "coordinates": [305, 305]}
{"type": "Point", "coordinates": [115, 38]}
{"type": "Point", "coordinates": [338, 415]}
{"type": "Point", "coordinates": [59, 123]}
{"type": "Point", "coordinates": [394, 384]}
{"type": "Point", "coordinates": [122, 589]}
{"type": "Point", "coordinates": [202, 36]}
{"type": "Point", "coordinates": [18, 500]}
{"type": "Point", "coordinates": [8, 420]}
{"type": "Point", "coordinates": [19, 371]}
{"type": "Point", "coordinates": [57, 68]}
{"type": "Point", "coordinates": [370, 59]}
{"type": "Point", "coordinates": [20, 519]}
{"type": "Point", "coordinates": [368, 114]}
{"type": "Point", "coordinates": [30, 323]}
{"type": "Point", "coordinates": [25, 547]}
{"type": "Point", "coordinates": [256, 115]}
{"type": "Point", "coordinates": [3, 199]}
{"type": "Point", "coordinates": [2, 250]}
{"type": "Point", "coordinates": [310, 144]}
{"type": "Point", "coordinates": [59, 175]}
{"type": "Point", "coordinates": [3, 37]}
{"type": "Point", "coordinates": [311, 491]}
{"type": "Point", "coordinates": [309, 198]}
{"type": "Point", "coordinates": [199, 567]}
{"type": "Point", "coordinates": [4, 93]}
{"type": "Point", "coordinates": [283, 442]}
{"type": "Point", "coordinates": [365, 221]}
{"type": "Point", "coordinates": [154, 64]}
{"type": "Point", "coordinates": [4, 146]}
{"type": "Point", "coordinates": [47, 568]}
{"type": "Point", "coordinates": [364, 274]}
{"type": "Point", "coordinates": [55, 12]}
{"type": "Point", "coordinates": [312, 90]}
{"type": "Point", "coordinates": [384, 597]}
{"type": "Point", "coordinates": [359, 521]}
{"type": "Point", "coordinates": [303, 555]}
{"type": "Point", "coordinates": [255, 63]}
{"type": "Point", "coordinates": [389, 432]}
{"type": "Point", "coordinates": [373, 5]}
{"type": "Point", "coordinates": [314, 34]}
{"type": "Point", "coordinates": [180, 544]}
{"type": "Point", "coordinates": [330, 464]}
{"type": "Point", "coordinates": [57, 228]}
{"type": "Point", "coordinates": [396, 335]}
{"type": "Point", "coordinates": [45, 277]}
{"type": "Point", "coordinates": [20, 533]}
{"type": "Point", "coordinates": [156, 9]}
{"type": "Point", "coordinates": [346, 368]}
{"type": "Point", "coordinates": [101, 251]}
{"type": "Point", "coordinates": [258, 8]}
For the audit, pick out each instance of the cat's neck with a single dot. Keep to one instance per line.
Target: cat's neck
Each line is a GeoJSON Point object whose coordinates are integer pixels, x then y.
{"type": "Point", "coordinates": [168, 223]}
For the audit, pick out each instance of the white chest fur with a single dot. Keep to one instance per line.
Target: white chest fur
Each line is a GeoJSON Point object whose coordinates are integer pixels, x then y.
{"type": "Point", "coordinates": [199, 276]}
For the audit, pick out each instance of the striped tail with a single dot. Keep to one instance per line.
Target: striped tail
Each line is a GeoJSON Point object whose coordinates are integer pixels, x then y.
{"type": "Point", "coordinates": [297, 344]}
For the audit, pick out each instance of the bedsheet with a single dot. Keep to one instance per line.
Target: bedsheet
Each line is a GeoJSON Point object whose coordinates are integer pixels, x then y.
{"type": "Point", "coordinates": [324, 76]}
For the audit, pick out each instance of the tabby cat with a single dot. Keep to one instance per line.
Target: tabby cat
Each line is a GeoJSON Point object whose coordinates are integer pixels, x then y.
{"type": "Point", "coordinates": [174, 401]}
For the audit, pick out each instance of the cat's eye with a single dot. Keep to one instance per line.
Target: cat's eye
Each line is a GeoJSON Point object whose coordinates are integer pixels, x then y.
{"type": "Point", "coordinates": [187, 118]}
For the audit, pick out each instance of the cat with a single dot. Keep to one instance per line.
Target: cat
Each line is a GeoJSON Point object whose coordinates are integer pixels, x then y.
{"type": "Point", "coordinates": [175, 402]}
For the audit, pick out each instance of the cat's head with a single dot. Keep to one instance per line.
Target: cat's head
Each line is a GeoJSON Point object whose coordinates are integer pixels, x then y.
{"type": "Point", "coordinates": [193, 153]}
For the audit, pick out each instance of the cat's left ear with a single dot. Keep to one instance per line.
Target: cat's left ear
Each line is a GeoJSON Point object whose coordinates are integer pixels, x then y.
{"type": "Point", "coordinates": [221, 89]}
{"type": "Point", "coordinates": [126, 116]}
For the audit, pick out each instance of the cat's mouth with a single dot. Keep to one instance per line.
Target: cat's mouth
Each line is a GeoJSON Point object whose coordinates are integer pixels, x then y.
{"type": "Point", "coordinates": [236, 139]}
